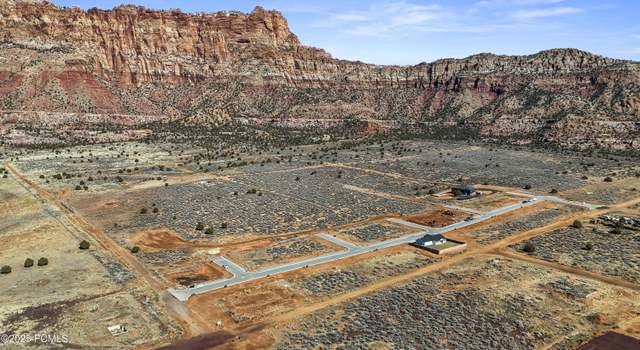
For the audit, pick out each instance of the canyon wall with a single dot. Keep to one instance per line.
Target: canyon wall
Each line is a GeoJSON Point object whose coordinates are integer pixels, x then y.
{"type": "Point", "coordinates": [213, 67]}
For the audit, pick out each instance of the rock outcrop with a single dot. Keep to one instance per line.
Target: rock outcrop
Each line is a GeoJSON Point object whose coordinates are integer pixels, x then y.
{"type": "Point", "coordinates": [225, 65]}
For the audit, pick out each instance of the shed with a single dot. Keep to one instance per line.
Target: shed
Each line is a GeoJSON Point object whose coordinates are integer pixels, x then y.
{"type": "Point", "coordinates": [117, 329]}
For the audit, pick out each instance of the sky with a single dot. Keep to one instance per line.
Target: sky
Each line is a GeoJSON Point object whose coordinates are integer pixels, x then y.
{"type": "Point", "coordinates": [410, 32]}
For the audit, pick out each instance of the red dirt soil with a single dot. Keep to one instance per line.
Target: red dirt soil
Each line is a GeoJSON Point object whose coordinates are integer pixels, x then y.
{"type": "Point", "coordinates": [206, 272]}
{"type": "Point", "coordinates": [159, 239]}
{"type": "Point", "coordinates": [438, 218]}
{"type": "Point", "coordinates": [612, 340]}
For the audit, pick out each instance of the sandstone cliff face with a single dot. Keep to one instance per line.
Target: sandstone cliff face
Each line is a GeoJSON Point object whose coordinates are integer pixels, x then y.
{"type": "Point", "coordinates": [132, 44]}
{"type": "Point", "coordinates": [210, 67]}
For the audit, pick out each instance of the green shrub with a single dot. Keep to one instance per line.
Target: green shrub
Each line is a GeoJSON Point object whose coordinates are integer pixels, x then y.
{"type": "Point", "coordinates": [84, 245]}
{"type": "Point", "coordinates": [28, 262]}
{"type": "Point", "coordinates": [529, 247]}
{"type": "Point", "coordinates": [577, 224]}
{"type": "Point", "coordinates": [143, 211]}
{"type": "Point", "coordinates": [200, 226]}
{"type": "Point", "coordinates": [43, 262]}
{"type": "Point", "coordinates": [209, 231]}
{"type": "Point", "coordinates": [223, 225]}
{"type": "Point", "coordinates": [5, 269]}
{"type": "Point", "coordinates": [135, 249]}
{"type": "Point", "coordinates": [588, 246]}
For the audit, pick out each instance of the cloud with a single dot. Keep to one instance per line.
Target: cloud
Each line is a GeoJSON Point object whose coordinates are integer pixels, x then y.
{"type": "Point", "coordinates": [399, 19]}
{"type": "Point", "coordinates": [498, 3]}
{"type": "Point", "coordinates": [548, 12]}
{"type": "Point", "coordinates": [537, 2]}
{"type": "Point", "coordinates": [350, 17]}
{"type": "Point", "coordinates": [387, 19]}
{"type": "Point", "coordinates": [629, 51]}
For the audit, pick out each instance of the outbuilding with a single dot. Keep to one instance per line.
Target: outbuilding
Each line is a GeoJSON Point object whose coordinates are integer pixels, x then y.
{"type": "Point", "coordinates": [117, 329]}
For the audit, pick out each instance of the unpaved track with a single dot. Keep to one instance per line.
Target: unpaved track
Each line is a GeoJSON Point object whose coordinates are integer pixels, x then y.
{"type": "Point", "coordinates": [495, 248]}
{"type": "Point", "coordinates": [198, 326]}
{"type": "Point", "coordinates": [104, 241]}
{"type": "Point", "coordinates": [568, 269]}
{"type": "Point", "coordinates": [376, 172]}
{"type": "Point", "coordinates": [191, 322]}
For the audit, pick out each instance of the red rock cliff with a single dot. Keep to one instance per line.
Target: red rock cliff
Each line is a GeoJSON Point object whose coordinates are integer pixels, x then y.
{"type": "Point", "coordinates": [233, 65]}
{"type": "Point", "coordinates": [132, 44]}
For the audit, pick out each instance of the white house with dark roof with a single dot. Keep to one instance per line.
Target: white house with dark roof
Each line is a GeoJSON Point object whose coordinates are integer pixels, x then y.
{"type": "Point", "coordinates": [430, 240]}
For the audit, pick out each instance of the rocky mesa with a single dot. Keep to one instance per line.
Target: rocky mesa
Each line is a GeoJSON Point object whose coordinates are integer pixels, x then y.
{"type": "Point", "coordinates": [212, 67]}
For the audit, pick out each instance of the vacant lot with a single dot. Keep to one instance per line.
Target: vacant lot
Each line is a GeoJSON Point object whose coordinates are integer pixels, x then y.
{"type": "Point", "coordinates": [78, 293]}
{"type": "Point", "coordinates": [279, 250]}
{"type": "Point", "coordinates": [439, 217]}
{"type": "Point", "coordinates": [179, 204]}
{"type": "Point", "coordinates": [233, 209]}
{"type": "Point", "coordinates": [472, 305]}
{"type": "Point", "coordinates": [206, 272]}
{"type": "Point", "coordinates": [342, 279]}
{"type": "Point", "coordinates": [501, 230]}
{"type": "Point", "coordinates": [99, 167]}
{"type": "Point", "coordinates": [486, 202]}
{"type": "Point", "coordinates": [593, 248]}
{"type": "Point", "coordinates": [448, 162]}
{"type": "Point", "coordinates": [616, 191]}
{"type": "Point", "coordinates": [258, 301]}
{"type": "Point", "coordinates": [377, 231]}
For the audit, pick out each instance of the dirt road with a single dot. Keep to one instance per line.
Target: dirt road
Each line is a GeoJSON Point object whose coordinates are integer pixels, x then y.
{"type": "Point", "coordinates": [569, 269]}
{"type": "Point", "coordinates": [495, 248]}
{"type": "Point", "coordinates": [192, 324]}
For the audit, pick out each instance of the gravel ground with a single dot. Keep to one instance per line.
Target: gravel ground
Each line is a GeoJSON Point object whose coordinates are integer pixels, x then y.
{"type": "Point", "coordinates": [337, 281]}
{"type": "Point", "coordinates": [282, 248]}
{"type": "Point", "coordinates": [502, 230]}
{"type": "Point", "coordinates": [444, 311]}
{"type": "Point", "coordinates": [610, 195]}
{"type": "Point", "coordinates": [373, 232]}
{"type": "Point", "coordinates": [290, 207]}
{"type": "Point", "coordinates": [612, 254]}
{"type": "Point", "coordinates": [440, 161]}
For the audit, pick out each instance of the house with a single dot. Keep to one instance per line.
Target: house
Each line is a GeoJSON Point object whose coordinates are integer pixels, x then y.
{"type": "Point", "coordinates": [117, 329]}
{"type": "Point", "coordinates": [430, 240]}
{"type": "Point", "coordinates": [463, 190]}
{"type": "Point", "coordinates": [437, 244]}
